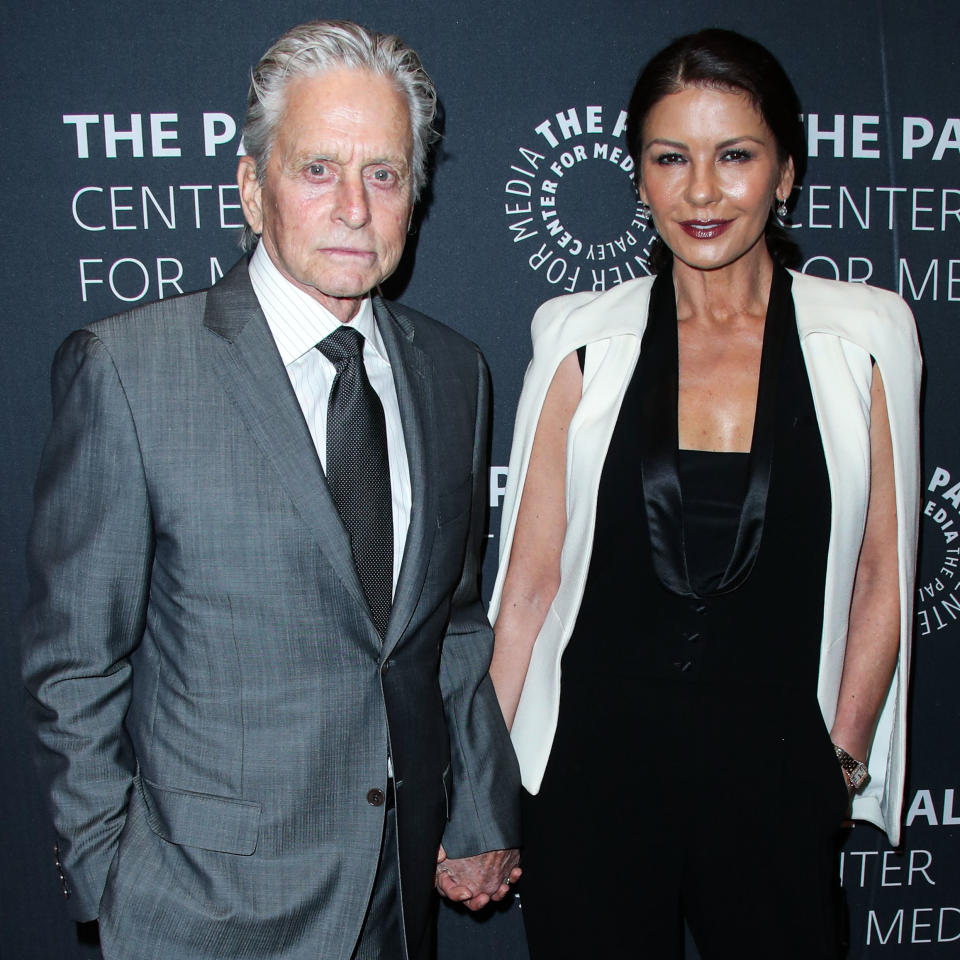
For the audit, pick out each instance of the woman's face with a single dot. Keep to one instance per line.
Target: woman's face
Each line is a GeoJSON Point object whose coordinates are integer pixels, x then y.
{"type": "Point", "coordinates": [709, 172]}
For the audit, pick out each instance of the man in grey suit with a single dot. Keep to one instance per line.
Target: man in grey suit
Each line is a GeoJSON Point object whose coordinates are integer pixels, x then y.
{"type": "Point", "coordinates": [255, 647]}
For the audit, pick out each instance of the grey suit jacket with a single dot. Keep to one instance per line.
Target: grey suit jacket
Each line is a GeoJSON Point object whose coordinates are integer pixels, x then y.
{"type": "Point", "coordinates": [212, 699]}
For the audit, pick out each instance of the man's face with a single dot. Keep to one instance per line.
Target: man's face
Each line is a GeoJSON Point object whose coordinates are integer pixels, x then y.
{"type": "Point", "coordinates": [336, 199]}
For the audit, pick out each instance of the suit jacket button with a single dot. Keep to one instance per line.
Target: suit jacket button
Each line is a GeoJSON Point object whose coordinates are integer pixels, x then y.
{"type": "Point", "coordinates": [375, 797]}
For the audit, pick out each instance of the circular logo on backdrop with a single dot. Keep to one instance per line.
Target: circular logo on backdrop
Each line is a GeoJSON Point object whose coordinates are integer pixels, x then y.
{"type": "Point", "coordinates": [938, 581]}
{"type": "Point", "coordinates": [570, 207]}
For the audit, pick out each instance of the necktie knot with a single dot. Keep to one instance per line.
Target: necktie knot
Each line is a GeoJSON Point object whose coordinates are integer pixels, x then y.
{"type": "Point", "coordinates": [344, 344]}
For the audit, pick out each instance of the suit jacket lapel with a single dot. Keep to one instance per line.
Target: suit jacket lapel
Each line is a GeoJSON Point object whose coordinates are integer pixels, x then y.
{"type": "Point", "coordinates": [250, 369]}
{"type": "Point", "coordinates": [413, 380]}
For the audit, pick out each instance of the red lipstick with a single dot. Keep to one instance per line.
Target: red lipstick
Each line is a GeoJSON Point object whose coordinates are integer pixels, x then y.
{"type": "Point", "coordinates": [704, 229]}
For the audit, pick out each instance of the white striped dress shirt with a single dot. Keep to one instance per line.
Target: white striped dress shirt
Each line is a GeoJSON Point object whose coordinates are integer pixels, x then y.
{"type": "Point", "coordinates": [298, 323]}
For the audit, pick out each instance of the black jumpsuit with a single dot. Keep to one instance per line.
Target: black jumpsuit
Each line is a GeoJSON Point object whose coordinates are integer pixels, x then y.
{"type": "Point", "coordinates": [692, 775]}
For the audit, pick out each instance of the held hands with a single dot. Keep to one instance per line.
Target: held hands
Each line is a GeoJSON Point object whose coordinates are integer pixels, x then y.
{"type": "Point", "coordinates": [475, 881]}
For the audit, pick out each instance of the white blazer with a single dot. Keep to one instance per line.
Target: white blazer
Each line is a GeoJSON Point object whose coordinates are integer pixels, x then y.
{"type": "Point", "coordinates": [841, 327]}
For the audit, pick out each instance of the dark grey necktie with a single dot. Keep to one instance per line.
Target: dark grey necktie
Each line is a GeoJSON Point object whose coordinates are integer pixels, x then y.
{"type": "Point", "coordinates": [358, 471]}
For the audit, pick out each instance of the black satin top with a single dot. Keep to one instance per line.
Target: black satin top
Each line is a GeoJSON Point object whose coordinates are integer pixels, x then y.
{"type": "Point", "coordinates": [747, 605]}
{"type": "Point", "coordinates": [658, 376]}
{"type": "Point", "coordinates": [712, 486]}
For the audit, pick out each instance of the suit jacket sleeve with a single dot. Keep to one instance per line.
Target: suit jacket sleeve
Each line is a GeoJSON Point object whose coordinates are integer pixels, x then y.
{"type": "Point", "coordinates": [484, 813]}
{"type": "Point", "coordinates": [88, 562]}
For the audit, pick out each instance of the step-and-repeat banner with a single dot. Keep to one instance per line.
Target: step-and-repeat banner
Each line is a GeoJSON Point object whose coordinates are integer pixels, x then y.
{"type": "Point", "coordinates": [121, 131]}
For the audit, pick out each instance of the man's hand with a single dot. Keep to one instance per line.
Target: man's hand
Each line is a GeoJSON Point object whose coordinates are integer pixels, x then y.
{"type": "Point", "coordinates": [475, 881]}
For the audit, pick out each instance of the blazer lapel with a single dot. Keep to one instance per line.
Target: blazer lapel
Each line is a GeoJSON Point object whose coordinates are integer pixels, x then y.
{"type": "Point", "coordinates": [251, 372]}
{"type": "Point", "coordinates": [413, 380]}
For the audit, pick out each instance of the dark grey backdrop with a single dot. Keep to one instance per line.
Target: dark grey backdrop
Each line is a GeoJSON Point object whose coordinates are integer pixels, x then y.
{"type": "Point", "coordinates": [880, 198]}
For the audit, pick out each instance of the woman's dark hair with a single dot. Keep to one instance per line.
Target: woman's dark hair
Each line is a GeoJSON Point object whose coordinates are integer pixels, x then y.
{"type": "Point", "coordinates": [727, 61]}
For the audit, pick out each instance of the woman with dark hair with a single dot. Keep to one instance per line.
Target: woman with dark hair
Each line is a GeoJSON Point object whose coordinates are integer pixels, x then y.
{"type": "Point", "coordinates": [711, 516]}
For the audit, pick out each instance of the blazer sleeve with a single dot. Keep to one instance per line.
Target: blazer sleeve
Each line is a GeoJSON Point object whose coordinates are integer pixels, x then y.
{"type": "Point", "coordinates": [88, 562]}
{"type": "Point", "coordinates": [484, 812]}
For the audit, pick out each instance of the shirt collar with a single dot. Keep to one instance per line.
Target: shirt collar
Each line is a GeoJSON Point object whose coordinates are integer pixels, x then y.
{"type": "Point", "coordinates": [297, 321]}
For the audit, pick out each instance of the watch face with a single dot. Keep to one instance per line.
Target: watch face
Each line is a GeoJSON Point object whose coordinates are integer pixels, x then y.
{"type": "Point", "coordinates": [859, 776]}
